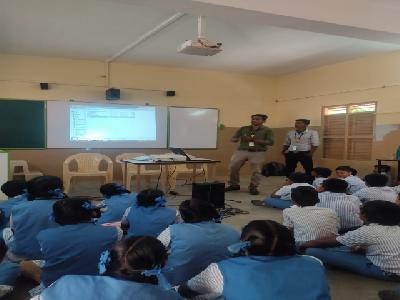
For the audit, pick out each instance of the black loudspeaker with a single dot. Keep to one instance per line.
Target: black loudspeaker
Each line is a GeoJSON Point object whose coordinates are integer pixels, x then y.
{"type": "Point", "coordinates": [113, 94]}
{"type": "Point", "coordinates": [44, 86]}
{"type": "Point", "coordinates": [170, 93]}
{"type": "Point", "coordinates": [213, 192]}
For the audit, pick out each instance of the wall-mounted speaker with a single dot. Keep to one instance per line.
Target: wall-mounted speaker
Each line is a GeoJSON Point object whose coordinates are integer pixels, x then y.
{"type": "Point", "coordinates": [44, 86]}
{"type": "Point", "coordinates": [170, 93]}
{"type": "Point", "coordinates": [113, 94]}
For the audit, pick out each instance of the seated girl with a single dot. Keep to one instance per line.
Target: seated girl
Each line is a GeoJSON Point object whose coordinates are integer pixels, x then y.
{"type": "Point", "coordinates": [199, 241]}
{"type": "Point", "coordinates": [266, 267]}
{"type": "Point", "coordinates": [131, 270]}
{"type": "Point", "coordinates": [117, 200]}
{"type": "Point", "coordinates": [9, 272]}
{"type": "Point", "coordinates": [16, 191]}
{"type": "Point", "coordinates": [30, 217]}
{"type": "Point", "coordinates": [373, 250]}
{"type": "Point", "coordinates": [75, 246]}
{"type": "Point", "coordinates": [149, 216]}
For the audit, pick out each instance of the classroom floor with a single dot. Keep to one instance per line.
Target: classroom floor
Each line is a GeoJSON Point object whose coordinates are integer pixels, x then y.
{"type": "Point", "coordinates": [344, 285]}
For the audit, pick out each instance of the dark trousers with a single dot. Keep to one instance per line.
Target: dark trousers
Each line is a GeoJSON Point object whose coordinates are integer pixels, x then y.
{"type": "Point", "coordinates": [292, 158]}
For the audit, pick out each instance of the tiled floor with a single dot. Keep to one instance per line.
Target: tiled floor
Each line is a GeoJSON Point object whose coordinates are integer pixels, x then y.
{"type": "Point", "coordinates": [344, 285]}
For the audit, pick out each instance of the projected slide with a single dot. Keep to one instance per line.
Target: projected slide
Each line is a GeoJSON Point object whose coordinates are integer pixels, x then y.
{"type": "Point", "coordinates": [112, 123]}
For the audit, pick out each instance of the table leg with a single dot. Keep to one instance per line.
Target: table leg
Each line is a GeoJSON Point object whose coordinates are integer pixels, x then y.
{"type": "Point", "coordinates": [379, 165]}
{"type": "Point", "coordinates": [194, 173]}
{"type": "Point", "coordinates": [125, 175]}
{"type": "Point", "coordinates": [211, 172]}
{"type": "Point", "coordinates": [138, 179]}
{"type": "Point", "coordinates": [164, 178]}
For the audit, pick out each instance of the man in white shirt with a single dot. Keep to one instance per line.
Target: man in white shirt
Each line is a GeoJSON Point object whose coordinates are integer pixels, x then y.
{"type": "Point", "coordinates": [299, 146]}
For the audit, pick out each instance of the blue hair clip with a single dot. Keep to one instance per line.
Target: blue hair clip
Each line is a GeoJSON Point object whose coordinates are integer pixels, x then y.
{"type": "Point", "coordinates": [219, 218]}
{"type": "Point", "coordinates": [51, 217]}
{"type": "Point", "coordinates": [160, 201]}
{"type": "Point", "coordinates": [119, 187]}
{"type": "Point", "coordinates": [57, 193]}
{"type": "Point", "coordinates": [104, 260]}
{"type": "Point", "coordinates": [87, 205]}
{"type": "Point", "coordinates": [158, 272]}
{"type": "Point", "coordinates": [237, 247]}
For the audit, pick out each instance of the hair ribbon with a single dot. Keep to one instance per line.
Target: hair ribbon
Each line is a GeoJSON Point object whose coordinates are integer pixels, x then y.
{"type": "Point", "coordinates": [161, 201]}
{"type": "Point", "coordinates": [104, 260]}
{"type": "Point", "coordinates": [237, 247]}
{"type": "Point", "coordinates": [158, 272]}
{"type": "Point", "coordinates": [57, 193]}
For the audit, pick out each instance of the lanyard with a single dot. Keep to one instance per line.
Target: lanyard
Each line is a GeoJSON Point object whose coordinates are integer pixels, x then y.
{"type": "Point", "coordinates": [297, 136]}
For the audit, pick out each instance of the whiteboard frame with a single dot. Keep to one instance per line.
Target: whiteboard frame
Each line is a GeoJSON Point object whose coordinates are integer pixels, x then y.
{"type": "Point", "coordinates": [169, 124]}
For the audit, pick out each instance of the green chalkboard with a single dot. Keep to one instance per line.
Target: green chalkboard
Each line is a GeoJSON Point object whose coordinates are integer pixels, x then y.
{"type": "Point", "coordinates": [22, 124]}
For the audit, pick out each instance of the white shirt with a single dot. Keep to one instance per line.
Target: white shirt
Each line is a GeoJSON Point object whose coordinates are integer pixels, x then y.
{"type": "Point", "coordinates": [397, 189]}
{"type": "Point", "coordinates": [382, 245]}
{"type": "Point", "coordinates": [285, 192]}
{"type": "Point", "coordinates": [318, 181]}
{"type": "Point", "coordinates": [301, 141]}
{"type": "Point", "coordinates": [355, 183]}
{"type": "Point", "coordinates": [347, 208]}
{"type": "Point", "coordinates": [377, 193]}
{"type": "Point", "coordinates": [311, 222]}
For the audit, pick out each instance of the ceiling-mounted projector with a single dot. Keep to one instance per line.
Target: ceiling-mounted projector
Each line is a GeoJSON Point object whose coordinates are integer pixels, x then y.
{"type": "Point", "coordinates": [200, 46]}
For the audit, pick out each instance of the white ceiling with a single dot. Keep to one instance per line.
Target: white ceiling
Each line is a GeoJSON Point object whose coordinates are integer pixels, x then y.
{"type": "Point", "coordinates": [97, 29]}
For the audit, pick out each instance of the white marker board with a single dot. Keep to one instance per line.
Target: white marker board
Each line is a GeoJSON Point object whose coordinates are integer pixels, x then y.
{"type": "Point", "coordinates": [193, 128]}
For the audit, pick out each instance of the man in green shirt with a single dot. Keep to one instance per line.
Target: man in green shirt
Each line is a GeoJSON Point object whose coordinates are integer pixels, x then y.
{"type": "Point", "coordinates": [254, 140]}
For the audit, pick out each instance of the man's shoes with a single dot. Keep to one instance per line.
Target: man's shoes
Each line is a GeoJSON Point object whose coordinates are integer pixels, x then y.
{"type": "Point", "coordinates": [253, 190]}
{"type": "Point", "coordinates": [232, 188]}
{"type": "Point", "coordinates": [257, 202]}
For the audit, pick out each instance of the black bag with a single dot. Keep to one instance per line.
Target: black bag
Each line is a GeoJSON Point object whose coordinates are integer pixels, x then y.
{"type": "Point", "coordinates": [273, 168]}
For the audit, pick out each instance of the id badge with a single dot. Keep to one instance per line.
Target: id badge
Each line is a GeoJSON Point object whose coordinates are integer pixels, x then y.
{"type": "Point", "coordinates": [294, 148]}
{"type": "Point", "coordinates": [251, 144]}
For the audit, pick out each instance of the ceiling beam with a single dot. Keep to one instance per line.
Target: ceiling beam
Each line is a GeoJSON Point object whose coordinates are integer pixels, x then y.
{"type": "Point", "coordinates": [145, 36]}
{"type": "Point", "coordinates": [362, 19]}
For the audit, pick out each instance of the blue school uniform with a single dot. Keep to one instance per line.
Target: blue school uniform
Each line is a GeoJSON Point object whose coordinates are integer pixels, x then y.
{"type": "Point", "coordinates": [115, 207]}
{"type": "Point", "coordinates": [9, 272]}
{"type": "Point", "coordinates": [274, 277]}
{"type": "Point", "coordinates": [194, 246]}
{"type": "Point", "coordinates": [7, 205]}
{"type": "Point", "coordinates": [74, 249]}
{"type": "Point", "coordinates": [104, 287]}
{"type": "Point", "coordinates": [28, 219]}
{"type": "Point", "coordinates": [150, 221]}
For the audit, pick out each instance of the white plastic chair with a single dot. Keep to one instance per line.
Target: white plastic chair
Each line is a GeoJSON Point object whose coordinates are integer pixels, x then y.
{"type": "Point", "coordinates": [133, 169]}
{"type": "Point", "coordinates": [20, 168]}
{"type": "Point", "coordinates": [88, 165]}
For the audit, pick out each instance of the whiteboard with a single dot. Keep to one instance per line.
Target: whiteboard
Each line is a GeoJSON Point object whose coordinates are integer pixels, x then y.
{"type": "Point", "coordinates": [193, 128]}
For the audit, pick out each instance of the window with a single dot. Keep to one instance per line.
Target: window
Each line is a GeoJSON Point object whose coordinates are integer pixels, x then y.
{"type": "Point", "coordinates": [348, 131]}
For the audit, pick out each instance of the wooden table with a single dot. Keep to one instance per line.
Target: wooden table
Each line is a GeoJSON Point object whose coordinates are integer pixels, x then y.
{"type": "Point", "coordinates": [165, 164]}
{"type": "Point", "coordinates": [398, 165]}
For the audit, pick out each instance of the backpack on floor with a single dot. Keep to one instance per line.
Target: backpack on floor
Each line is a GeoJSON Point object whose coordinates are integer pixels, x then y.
{"type": "Point", "coordinates": [273, 168]}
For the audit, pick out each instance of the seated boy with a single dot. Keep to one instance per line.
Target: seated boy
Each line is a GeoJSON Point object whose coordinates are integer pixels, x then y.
{"type": "Point", "coordinates": [308, 221]}
{"type": "Point", "coordinates": [347, 207]}
{"type": "Point", "coordinates": [15, 190]}
{"type": "Point", "coordinates": [281, 198]}
{"type": "Point", "coordinates": [320, 174]}
{"type": "Point", "coordinates": [376, 189]}
{"type": "Point", "coordinates": [355, 183]}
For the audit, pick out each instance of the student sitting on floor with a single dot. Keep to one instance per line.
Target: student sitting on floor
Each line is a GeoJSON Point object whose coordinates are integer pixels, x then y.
{"type": "Point", "coordinates": [131, 270]}
{"type": "Point", "coordinates": [74, 247]}
{"type": "Point", "coordinates": [266, 267]}
{"type": "Point", "coordinates": [281, 198]}
{"type": "Point", "coordinates": [199, 241]}
{"type": "Point", "coordinates": [9, 272]}
{"type": "Point", "coordinates": [16, 191]}
{"type": "Point", "coordinates": [355, 183]}
{"type": "Point", "coordinates": [373, 250]}
{"type": "Point", "coordinates": [149, 216]}
{"type": "Point", "coordinates": [30, 217]}
{"type": "Point", "coordinates": [347, 207]}
{"type": "Point", "coordinates": [308, 221]}
{"type": "Point", "coordinates": [117, 200]}
{"type": "Point", "coordinates": [319, 175]}
{"type": "Point", "coordinates": [376, 189]}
